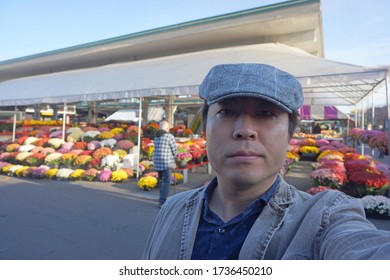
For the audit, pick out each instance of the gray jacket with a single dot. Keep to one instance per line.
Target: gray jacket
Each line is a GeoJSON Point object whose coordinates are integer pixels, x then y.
{"type": "Point", "coordinates": [293, 225]}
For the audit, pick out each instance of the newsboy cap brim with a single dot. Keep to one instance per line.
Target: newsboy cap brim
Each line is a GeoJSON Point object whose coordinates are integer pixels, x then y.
{"type": "Point", "coordinates": [252, 80]}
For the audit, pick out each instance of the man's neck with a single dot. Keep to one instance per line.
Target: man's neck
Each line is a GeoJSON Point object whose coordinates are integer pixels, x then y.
{"type": "Point", "coordinates": [229, 201]}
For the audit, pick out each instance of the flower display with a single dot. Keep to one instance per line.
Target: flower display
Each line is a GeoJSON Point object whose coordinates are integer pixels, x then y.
{"type": "Point", "coordinates": [149, 150]}
{"type": "Point", "coordinates": [117, 130]}
{"type": "Point", "coordinates": [51, 173]}
{"type": "Point", "coordinates": [54, 158]}
{"type": "Point", "coordinates": [365, 135]}
{"type": "Point", "coordinates": [64, 173]}
{"type": "Point", "coordinates": [327, 177]}
{"type": "Point", "coordinates": [110, 143]}
{"type": "Point", "coordinates": [26, 148]}
{"type": "Point", "coordinates": [125, 145]}
{"type": "Point", "coordinates": [12, 147]}
{"type": "Point", "coordinates": [102, 152]}
{"type": "Point", "coordinates": [308, 142]}
{"type": "Point", "coordinates": [55, 142]}
{"type": "Point", "coordinates": [93, 145]}
{"type": "Point", "coordinates": [376, 204]}
{"type": "Point", "coordinates": [106, 135]}
{"type": "Point", "coordinates": [20, 157]}
{"type": "Point", "coordinates": [39, 172]}
{"type": "Point", "coordinates": [68, 158]}
{"type": "Point", "coordinates": [90, 135]}
{"type": "Point", "coordinates": [330, 154]}
{"type": "Point", "coordinates": [82, 160]}
{"type": "Point", "coordinates": [80, 145]}
{"type": "Point", "coordinates": [56, 134]}
{"type": "Point", "coordinates": [186, 156]}
{"type": "Point", "coordinates": [77, 174]}
{"type": "Point", "coordinates": [90, 174]}
{"type": "Point", "coordinates": [176, 178]}
{"type": "Point", "coordinates": [35, 159]}
{"type": "Point", "coordinates": [120, 153]}
{"type": "Point", "coordinates": [19, 171]}
{"type": "Point", "coordinates": [308, 149]}
{"type": "Point", "coordinates": [119, 175]}
{"type": "Point", "coordinates": [321, 142]}
{"type": "Point", "coordinates": [380, 141]}
{"type": "Point", "coordinates": [147, 183]}
{"type": "Point", "coordinates": [110, 161]}
{"type": "Point", "coordinates": [105, 175]}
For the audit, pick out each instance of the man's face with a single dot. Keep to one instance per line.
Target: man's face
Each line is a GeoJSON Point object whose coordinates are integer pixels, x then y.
{"type": "Point", "coordinates": [247, 141]}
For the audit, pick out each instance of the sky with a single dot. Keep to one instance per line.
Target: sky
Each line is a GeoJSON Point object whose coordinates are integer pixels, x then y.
{"type": "Point", "coordinates": [355, 31]}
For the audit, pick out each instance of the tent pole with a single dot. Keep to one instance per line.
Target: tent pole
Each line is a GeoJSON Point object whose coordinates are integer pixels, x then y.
{"type": "Point", "coordinates": [14, 126]}
{"type": "Point", "coordinates": [373, 117]}
{"type": "Point", "coordinates": [388, 116]}
{"type": "Point", "coordinates": [362, 144]}
{"type": "Point", "coordinates": [64, 121]}
{"type": "Point", "coordinates": [139, 134]}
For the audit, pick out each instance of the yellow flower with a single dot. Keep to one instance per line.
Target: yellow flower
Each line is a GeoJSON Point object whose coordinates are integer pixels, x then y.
{"type": "Point", "coordinates": [106, 135]}
{"type": "Point", "coordinates": [147, 182]}
{"type": "Point", "coordinates": [117, 130]}
{"type": "Point", "coordinates": [77, 174]}
{"type": "Point", "coordinates": [309, 149]}
{"type": "Point", "coordinates": [120, 153]}
{"type": "Point", "coordinates": [178, 176]}
{"type": "Point", "coordinates": [119, 175]}
{"type": "Point", "coordinates": [330, 152]}
{"type": "Point", "coordinates": [51, 173]}
{"type": "Point", "coordinates": [19, 172]}
{"type": "Point", "coordinates": [7, 168]}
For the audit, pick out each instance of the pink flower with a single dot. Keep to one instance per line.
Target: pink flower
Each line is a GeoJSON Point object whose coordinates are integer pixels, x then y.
{"type": "Point", "coordinates": [105, 175]}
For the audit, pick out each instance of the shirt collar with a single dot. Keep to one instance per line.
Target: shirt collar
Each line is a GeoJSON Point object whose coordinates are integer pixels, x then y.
{"type": "Point", "coordinates": [263, 199]}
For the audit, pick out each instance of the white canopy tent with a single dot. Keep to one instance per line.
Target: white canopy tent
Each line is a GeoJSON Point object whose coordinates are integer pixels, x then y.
{"type": "Point", "coordinates": [324, 82]}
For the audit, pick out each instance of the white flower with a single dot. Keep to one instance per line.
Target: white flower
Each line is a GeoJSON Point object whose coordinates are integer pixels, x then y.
{"type": "Point", "coordinates": [108, 143]}
{"type": "Point", "coordinates": [53, 156]}
{"type": "Point", "coordinates": [56, 142]}
{"type": "Point", "coordinates": [15, 168]}
{"type": "Point", "coordinates": [110, 161]}
{"type": "Point", "coordinates": [91, 133]}
{"type": "Point", "coordinates": [30, 140]}
{"type": "Point", "coordinates": [22, 156]}
{"type": "Point", "coordinates": [74, 136]}
{"type": "Point", "coordinates": [376, 203]}
{"type": "Point", "coordinates": [64, 173]}
{"type": "Point", "coordinates": [26, 148]}
{"type": "Point", "coordinates": [74, 130]}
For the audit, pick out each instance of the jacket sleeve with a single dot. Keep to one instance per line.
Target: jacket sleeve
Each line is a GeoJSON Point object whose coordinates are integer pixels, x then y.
{"type": "Point", "coordinates": [347, 234]}
{"type": "Point", "coordinates": [173, 146]}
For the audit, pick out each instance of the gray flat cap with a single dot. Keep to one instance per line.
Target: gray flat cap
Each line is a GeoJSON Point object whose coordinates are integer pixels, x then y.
{"type": "Point", "coordinates": [252, 80]}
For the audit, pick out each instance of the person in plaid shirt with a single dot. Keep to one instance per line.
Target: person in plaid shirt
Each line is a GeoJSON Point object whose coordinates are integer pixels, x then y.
{"type": "Point", "coordinates": [165, 151]}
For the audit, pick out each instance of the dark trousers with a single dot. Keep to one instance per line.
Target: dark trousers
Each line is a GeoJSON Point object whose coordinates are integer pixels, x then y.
{"type": "Point", "coordinates": [164, 180]}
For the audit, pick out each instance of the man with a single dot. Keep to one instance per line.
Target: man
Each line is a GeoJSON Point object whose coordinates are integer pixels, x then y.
{"type": "Point", "coordinates": [248, 211]}
{"type": "Point", "coordinates": [165, 151]}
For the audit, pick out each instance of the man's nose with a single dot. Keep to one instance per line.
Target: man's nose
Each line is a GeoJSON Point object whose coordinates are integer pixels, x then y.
{"type": "Point", "coordinates": [245, 128]}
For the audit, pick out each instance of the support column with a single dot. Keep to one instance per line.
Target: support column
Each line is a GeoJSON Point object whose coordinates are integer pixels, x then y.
{"type": "Point", "coordinates": [169, 111]}
{"type": "Point", "coordinates": [92, 112]}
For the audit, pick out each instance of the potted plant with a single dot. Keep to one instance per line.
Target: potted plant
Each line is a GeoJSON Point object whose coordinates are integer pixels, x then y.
{"type": "Point", "coordinates": [183, 158]}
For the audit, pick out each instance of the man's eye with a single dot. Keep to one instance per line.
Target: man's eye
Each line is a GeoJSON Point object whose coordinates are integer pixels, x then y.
{"type": "Point", "coordinates": [225, 112]}
{"type": "Point", "coordinates": [266, 113]}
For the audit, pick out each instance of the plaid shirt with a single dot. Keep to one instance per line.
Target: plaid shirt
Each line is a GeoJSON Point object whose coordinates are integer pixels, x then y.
{"type": "Point", "coordinates": [165, 151]}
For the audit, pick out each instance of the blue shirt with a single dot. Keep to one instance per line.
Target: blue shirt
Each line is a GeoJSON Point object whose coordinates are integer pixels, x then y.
{"type": "Point", "coordinates": [216, 240]}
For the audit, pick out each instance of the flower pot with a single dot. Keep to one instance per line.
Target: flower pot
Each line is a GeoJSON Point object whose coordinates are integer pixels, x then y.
{"type": "Point", "coordinates": [181, 163]}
